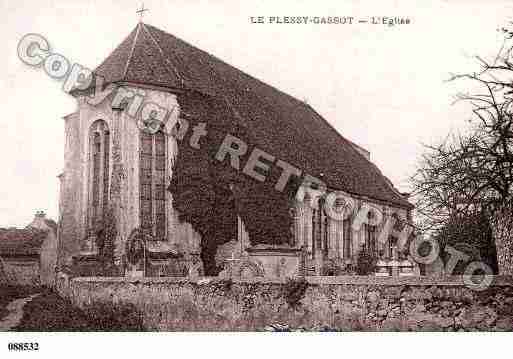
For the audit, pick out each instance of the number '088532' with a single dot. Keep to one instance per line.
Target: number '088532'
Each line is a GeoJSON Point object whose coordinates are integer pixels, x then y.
{"type": "Point", "coordinates": [23, 346]}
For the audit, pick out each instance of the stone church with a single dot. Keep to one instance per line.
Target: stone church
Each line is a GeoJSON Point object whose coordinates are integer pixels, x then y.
{"type": "Point", "coordinates": [115, 200]}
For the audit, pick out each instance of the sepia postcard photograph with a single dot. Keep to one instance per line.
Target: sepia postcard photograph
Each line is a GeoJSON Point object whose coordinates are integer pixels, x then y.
{"type": "Point", "coordinates": [255, 175]}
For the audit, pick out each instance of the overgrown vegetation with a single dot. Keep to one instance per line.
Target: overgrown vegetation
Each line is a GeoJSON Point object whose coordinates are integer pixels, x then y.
{"type": "Point", "coordinates": [114, 317]}
{"type": "Point", "coordinates": [294, 290]}
{"type": "Point", "coordinates": [50, 312]}
{"type": "Point", "coordinates": [471, 235]}
{"type": "Point", "coordinates": [224, 285]}
{"type": "Point", "coordinates": [106, 232]}
{"type": "Point", "coordinates": [336, 268]}
{"type": "Point", "coordinates": [365, 263]}
{"type": "Point", "coordinates": [211, 194]}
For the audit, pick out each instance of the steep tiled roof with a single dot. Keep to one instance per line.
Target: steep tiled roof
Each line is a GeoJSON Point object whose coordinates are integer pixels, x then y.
{"type": "Point", "coordinates": [282, 125]}
{"type": "Point", "coordinates": [21, 242]}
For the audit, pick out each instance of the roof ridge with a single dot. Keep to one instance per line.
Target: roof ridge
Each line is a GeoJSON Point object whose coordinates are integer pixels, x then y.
{"type": "Point", "coordinates": [249, 99]}
{"type": "Point", "coordinates": [131, 51]}
{"type": "Point", "coordinates": [166, 60]}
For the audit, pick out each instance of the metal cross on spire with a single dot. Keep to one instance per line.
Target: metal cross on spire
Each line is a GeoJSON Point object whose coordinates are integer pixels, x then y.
{"type": "Point", "coordinates": [141, 12]}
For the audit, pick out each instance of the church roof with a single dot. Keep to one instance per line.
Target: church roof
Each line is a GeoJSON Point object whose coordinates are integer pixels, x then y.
{"type": "Point", "coordinates": [285, 127]}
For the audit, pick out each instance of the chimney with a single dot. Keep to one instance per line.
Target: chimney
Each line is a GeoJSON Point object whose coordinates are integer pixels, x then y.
{"type": "Point", "coordinates": [39, 220]}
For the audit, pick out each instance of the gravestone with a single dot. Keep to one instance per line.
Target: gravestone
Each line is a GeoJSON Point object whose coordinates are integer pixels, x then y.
{"type": "Point", "coordinates": [276, 261]}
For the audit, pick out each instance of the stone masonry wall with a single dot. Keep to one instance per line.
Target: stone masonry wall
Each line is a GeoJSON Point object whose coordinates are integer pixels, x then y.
{"type": "Point", "coordinates": [70, 194]}
{"type": "Point", "coordinates": [329, 303]}
{"type": "Point", "coordinates": [22, 271]}
{"type": "Point", "coordinates": [502, 226]}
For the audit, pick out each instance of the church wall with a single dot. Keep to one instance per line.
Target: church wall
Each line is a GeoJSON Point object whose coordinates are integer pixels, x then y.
{"type": "Point", "coordinates": [359, 235]}
{"type": "Point", "coordinates": [75, 178]}
{"type": "Point", "coordinates": [48, 250]}
{"type": "Point", "coordinates": [180, 236]}
{"type": "Point", "coordinates": [70, 231]}
{"type": "Point", "coordinates": [330, 252]}
{"type": "Point", "coordinates": [129, 196]}
{"type": "Point", "coordinates": [88, 115]}
{"type": "Point", "coordinates": [303, 226]}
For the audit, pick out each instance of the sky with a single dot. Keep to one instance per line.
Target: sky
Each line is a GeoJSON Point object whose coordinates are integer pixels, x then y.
{"type": "Point", "coordinates": [383, 87]}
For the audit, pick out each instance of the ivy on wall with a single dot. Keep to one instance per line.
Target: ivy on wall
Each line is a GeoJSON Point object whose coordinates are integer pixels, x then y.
{"type": "Point", "coordinates": [210, 194]}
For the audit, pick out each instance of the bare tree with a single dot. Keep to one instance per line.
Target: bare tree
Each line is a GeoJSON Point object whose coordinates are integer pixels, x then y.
{"type": "Point", "coordinates": [473, 172]}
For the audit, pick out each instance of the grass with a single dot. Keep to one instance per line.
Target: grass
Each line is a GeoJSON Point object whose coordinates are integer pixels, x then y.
{"type": "Point", "coordinates": [8, 293]}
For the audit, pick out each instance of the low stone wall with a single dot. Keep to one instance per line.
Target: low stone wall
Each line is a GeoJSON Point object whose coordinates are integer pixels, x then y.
{"type": "Point", "coordinates": [21, 271]}
{"type": "Point", "coordinates": [325, 303]}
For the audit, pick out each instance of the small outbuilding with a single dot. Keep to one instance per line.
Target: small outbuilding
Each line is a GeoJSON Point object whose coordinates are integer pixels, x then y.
{"type": "Point", "coordinates": [28, 255]}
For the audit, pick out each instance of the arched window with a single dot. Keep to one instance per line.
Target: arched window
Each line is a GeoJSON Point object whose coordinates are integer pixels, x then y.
{"type": "Point", "coordinates": [320, 228]}
{"type": "Point", "coordinates": [293, 212]}
{"type": "Point", "coordinates": [99, 143]}
{"type": "Point", "coordinates": [316, 231]}
{"type": "Point", "coordinates": [370, 245]}
{"type": "Point", "coordinates": [347, 238]}
{"type": "Point", "coordinates": [153, 183]}
{"type": "Point", "coordinates": [393, 240]}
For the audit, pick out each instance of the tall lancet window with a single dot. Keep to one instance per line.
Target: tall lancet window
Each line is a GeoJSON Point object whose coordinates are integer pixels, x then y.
{"type": "Point", "coordinates": [99, 143]}
{"type": "Point", "coordinates": [347, 238]}
{"type": "Point", "coordinates": [153, 184]}
{"type": "Point", "coordinates": [370, 245]}
{"type": "Point", "coordinates": [320, 228]}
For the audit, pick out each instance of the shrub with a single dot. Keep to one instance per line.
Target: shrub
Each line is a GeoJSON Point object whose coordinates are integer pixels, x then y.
{"type": "Point", "coordinates": [366, 263]}
{"type": "Point", "coordinates": [106, 232]}
{"type": "Point", "coordinates": [336, 267]}
{"type": "Point", "coordinates": [225, 285]}
{"type": "Point", "coordinates": [9, 293]}
{"type": "Point", "coordinates": [51, 312]}
{"type": "Point", "coordinates": [294, 290]}
{"type": "Point", "coordinates": [114, 317]}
